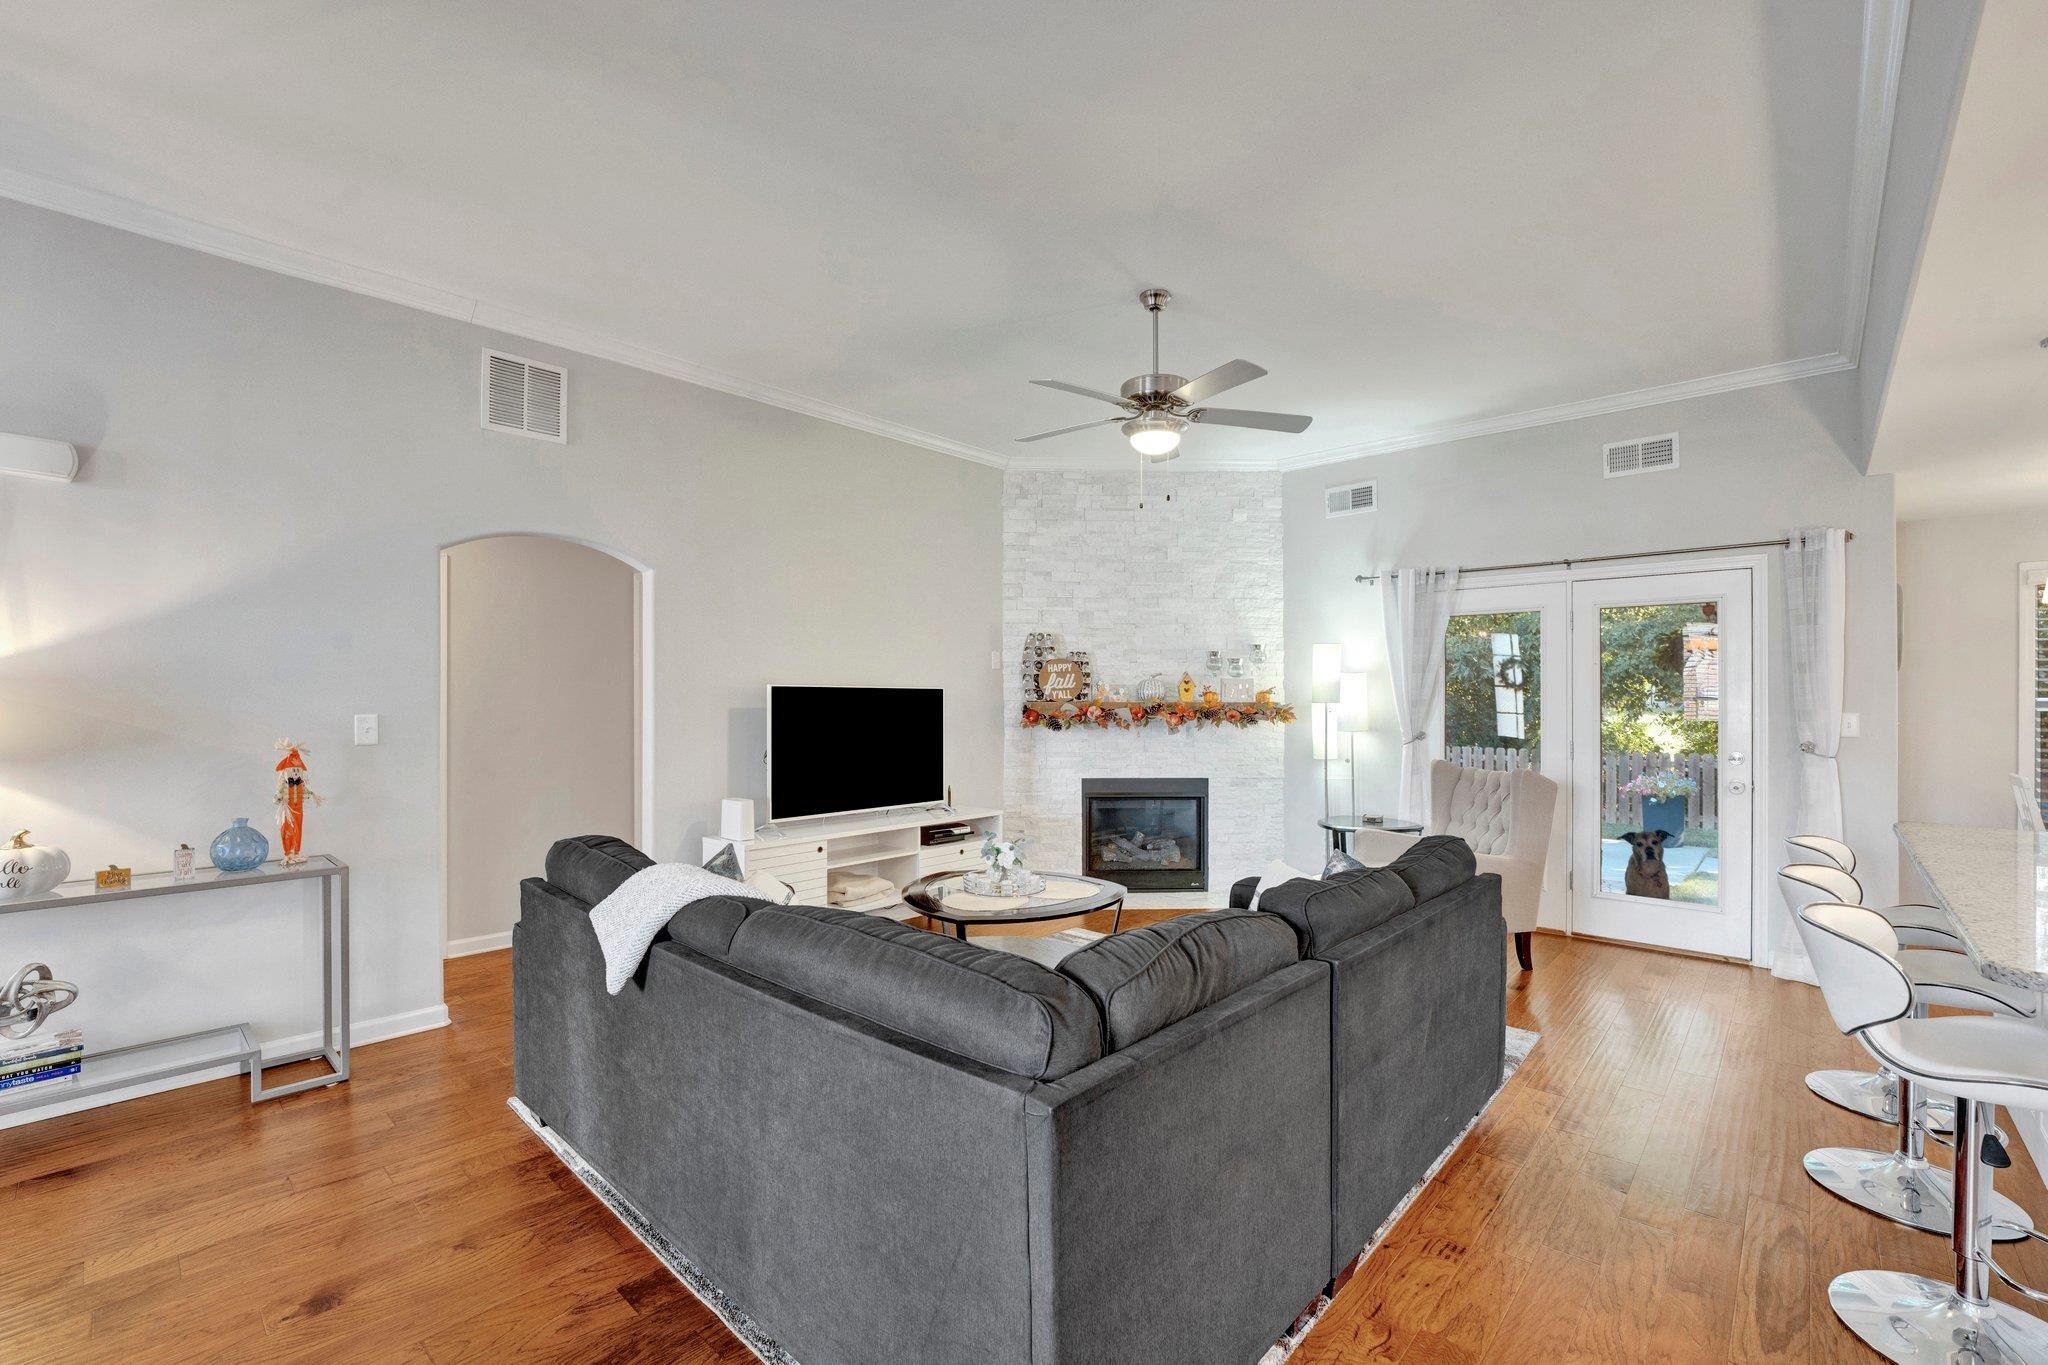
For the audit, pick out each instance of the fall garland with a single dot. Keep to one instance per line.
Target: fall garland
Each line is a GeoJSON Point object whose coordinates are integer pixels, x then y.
{"type": "Point", "coordinates": [1132, 715]}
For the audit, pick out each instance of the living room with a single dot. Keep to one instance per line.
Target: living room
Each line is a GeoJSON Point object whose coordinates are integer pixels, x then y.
{"type": "Point", "coordinates": [656, 712]}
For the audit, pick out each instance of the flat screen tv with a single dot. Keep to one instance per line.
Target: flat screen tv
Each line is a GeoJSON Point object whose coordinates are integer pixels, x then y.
{"type": "Point", "coordinates": [837, 750]}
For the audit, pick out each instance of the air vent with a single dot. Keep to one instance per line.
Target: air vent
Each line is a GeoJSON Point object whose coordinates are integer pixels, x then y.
{"type": "Point", "coordinates": [525, 397]}
{"type": "Point", "coordinates": [1352, 497]}
{"type": "Point", "coordinates": [1644, 455]}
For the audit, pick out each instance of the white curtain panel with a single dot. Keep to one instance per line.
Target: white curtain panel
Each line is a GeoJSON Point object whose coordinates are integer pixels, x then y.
{"type": "Point", "coordinates": [1415, 608]}
{"type": "Point", "coordinates": [1816, 605]}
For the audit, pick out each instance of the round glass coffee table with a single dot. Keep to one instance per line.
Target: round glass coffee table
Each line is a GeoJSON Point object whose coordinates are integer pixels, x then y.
{"type": "Point", "coordinates": [944, 898]}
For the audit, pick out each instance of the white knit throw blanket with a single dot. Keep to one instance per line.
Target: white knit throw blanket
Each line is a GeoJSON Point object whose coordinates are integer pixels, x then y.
{"type": "Point", "coordinates": [627, 920]}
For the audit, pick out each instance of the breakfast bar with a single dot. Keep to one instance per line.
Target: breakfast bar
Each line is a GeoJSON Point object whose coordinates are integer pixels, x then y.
{"type": "Point", "coordinates": [1993, 883]}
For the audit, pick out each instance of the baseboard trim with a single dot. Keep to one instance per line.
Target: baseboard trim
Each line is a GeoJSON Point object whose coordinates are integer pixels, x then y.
{"type": "Point", "coordinates": [482, 943]}
{"type": "Point", "coordinates": [363, 1033]}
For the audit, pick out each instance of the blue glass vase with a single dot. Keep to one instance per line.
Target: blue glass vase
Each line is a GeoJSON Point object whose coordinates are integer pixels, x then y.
{"type": "Point", "coordinates": [238, 848]}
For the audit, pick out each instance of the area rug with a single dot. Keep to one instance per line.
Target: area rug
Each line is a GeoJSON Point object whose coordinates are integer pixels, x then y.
{"type": "Point", "coordinates": [769, 1351]}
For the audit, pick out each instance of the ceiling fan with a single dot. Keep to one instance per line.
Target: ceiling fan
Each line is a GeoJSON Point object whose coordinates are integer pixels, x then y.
{"type": "Point", "coordinates": [1157, 407]}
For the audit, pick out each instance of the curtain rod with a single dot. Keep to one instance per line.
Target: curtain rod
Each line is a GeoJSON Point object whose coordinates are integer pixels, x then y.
{"type": "Point", "coordinates": [1603, 559]}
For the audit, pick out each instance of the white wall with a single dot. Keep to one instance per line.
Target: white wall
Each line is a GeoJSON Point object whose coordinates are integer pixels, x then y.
{"type": "Point", "coordinates": [1960, 713]}
{"type": "Point", "coordinates": [542, 685]}
{"type": "Point", "coordinates": [252, 550]}
{"type": "Point", "coordinates": [1754, 464]}
{"type": "Point", "coordinates": [1144, 591]}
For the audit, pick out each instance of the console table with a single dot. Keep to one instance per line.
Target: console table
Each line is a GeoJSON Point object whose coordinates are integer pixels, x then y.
{"type": "Point", "coordinates": [118, 1068]}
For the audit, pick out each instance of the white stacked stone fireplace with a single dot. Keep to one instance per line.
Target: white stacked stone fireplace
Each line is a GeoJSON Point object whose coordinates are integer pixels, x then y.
{"type": "Point", "coordinates": [1143, 591]}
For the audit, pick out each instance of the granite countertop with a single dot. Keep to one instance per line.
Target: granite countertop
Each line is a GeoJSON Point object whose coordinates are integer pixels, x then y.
{"type": "Point", "coordinates": [1994, 884]}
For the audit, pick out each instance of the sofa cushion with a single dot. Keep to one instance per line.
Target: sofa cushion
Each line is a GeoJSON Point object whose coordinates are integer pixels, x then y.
{"type": "Point", "coordinates": [1323, 912]}
{"type": "Point", "coordinates": [591, 866]}
{"type": "Point", "coordinates": [707, 926]}
{"type": "Point", "coordinates": [1002, 1011]}
{"type": "Point", "coordinates": [1144, 979]}
{"type": "Point", "coordinates": [1435, 864]}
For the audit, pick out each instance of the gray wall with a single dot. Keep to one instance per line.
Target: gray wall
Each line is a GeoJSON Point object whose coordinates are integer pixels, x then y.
{"type": "Point", "coordinates": [272, 468]}
{"type": "Point", "coordinates": [1960, 712]}
{"type": "Point", "coordinates": [1753, 464]}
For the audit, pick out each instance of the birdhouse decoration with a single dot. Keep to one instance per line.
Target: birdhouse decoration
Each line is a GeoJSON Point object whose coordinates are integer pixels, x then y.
{"type": "Point", "coordinates": [292, 795]}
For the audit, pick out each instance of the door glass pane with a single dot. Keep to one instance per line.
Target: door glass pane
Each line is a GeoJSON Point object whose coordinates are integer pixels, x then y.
{"type": "Point", "coordinates": [1660, 745]}
{"type": "Point", "coordinates": [1493, 690]}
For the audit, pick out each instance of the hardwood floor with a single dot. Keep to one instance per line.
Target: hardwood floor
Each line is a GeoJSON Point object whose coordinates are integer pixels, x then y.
{"type": "Point", "coordinates": [1635, 1194]}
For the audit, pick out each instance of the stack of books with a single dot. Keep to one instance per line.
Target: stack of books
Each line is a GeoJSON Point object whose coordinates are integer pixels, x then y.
{"type": "Point", "coordinates": [41, 1057]}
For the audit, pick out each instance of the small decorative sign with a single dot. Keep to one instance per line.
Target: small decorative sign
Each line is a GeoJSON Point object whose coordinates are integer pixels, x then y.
{"type": "Point", "coordinates": [114, 878]}
{"type": "Point", "coordinates": [1059, 680]}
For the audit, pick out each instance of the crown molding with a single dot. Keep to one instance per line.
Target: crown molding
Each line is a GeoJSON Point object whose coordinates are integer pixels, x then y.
{"type": "Point", "coordinates": [247, 249]}
{"type": "Point", "coordinates": [1782, 372]}
{"type": "Point", "coordinates": [1877, 103]}
{"type": "Point", "coordinates": [1884, 39]}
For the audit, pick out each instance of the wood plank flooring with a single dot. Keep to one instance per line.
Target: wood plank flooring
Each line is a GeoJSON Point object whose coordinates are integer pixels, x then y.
{"type": "Point", "coordinates": [1635, 1194]}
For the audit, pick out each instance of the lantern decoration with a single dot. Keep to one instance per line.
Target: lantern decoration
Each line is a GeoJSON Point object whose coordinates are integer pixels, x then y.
{"type": "Point", "coordinates": [292, 795]}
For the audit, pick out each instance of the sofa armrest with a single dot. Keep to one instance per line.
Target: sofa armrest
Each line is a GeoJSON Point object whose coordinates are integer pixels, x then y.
{"type": "Point", "coordinates": [1242, 891]}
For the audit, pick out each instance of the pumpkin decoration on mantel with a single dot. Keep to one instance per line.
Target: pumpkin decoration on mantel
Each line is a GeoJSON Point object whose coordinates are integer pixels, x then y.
{"type": "Point", "coordinates": [28, 869]}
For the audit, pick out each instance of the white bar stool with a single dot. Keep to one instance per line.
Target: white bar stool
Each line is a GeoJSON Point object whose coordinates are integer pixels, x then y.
{"type": "Point", "coordinates": [1900, 1184]}
{"type": "Point", "coordinates": [1983, 1062]}
{"type": "Point", "coordinates": [1818, 848]}
{"type": "Point", "coordinates": [1872, 1094]}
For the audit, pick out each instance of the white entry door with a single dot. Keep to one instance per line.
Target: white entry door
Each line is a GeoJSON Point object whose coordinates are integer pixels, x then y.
{"type": "Point", "coordinates": [1662, 746]}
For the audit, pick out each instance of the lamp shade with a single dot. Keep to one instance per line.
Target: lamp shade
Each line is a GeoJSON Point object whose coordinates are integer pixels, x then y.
{"type": "Point", "coordinates": [1351, 712]}
{"type": "Point", "coordinates": [1325, 672]}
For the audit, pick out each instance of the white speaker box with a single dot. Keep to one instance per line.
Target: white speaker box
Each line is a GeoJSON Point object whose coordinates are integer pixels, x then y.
{"type": "Point", "coordinates": [736, 818]}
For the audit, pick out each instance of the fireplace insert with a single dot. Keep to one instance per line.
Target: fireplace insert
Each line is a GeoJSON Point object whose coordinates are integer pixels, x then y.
{"type": "Point", "coordinates": [1147, 833]}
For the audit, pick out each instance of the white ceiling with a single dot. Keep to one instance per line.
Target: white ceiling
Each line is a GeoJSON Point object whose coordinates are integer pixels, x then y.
{"type": "Point", "coordinates": [1964, 425]}
{"type": "Point", "coordinates": [1423, 219]}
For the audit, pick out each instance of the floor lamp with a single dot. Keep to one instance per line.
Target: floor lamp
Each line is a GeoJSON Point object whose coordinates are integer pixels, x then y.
{"type": "Point", "coordinates": [1351, 723]}
{"type": "Point", "coordinates": [1325, 686]}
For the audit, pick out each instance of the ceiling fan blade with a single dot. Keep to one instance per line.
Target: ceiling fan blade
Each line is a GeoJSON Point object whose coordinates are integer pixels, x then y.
{"type": "Point", "coordinates": [1107, 421]}
{"type": "Point", "coordinates": [1225, 376]}
{"type": "Point", "coordinates": [1240, 417]}
{"type": "Point", "coordinates": [1085, 393]}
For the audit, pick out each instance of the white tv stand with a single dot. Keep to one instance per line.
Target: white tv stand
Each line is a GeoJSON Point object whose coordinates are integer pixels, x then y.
{"type": "Point", "coordinates": [887, 846]}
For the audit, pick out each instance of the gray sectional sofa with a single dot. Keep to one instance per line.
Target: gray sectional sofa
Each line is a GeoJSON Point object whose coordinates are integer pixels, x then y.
{"type": "Point", "coordinates": [887, 1145]}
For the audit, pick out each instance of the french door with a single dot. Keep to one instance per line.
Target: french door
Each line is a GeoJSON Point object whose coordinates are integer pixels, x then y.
{"type": "Point", "coordinates": [1663, 759]}
{"type": "Point", "coordinates": [1632, 693]}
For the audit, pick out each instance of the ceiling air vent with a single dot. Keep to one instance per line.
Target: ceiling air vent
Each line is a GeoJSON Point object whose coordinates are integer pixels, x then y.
{"type": "Point", "coordinates": [1644, 455]}
{"type": "Point", "coordinates": [1352, 497]}
{"type": "Point", "coordinates": [525, 397]}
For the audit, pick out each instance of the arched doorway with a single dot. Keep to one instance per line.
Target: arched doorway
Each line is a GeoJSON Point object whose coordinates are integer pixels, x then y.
{"type": "Point", "coordinates": [542, 716]}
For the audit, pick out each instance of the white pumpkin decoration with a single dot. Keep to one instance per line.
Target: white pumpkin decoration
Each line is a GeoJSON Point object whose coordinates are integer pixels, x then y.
{"type": "Point", "coordinates": [28, 869]}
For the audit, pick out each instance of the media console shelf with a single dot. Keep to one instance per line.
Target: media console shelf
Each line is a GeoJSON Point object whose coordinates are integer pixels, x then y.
{"type": "Point", "coordinates": [888, 846]}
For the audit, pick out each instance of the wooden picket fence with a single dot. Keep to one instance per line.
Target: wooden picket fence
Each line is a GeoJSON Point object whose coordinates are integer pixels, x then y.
{"type": "Point", "coordinates": [1702, 808]}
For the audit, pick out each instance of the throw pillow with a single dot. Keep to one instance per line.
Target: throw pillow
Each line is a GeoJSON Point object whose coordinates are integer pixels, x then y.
{"type": "Point", "coordinates": [772, 889]}
{"type": "Point", "coordinates": [725, 863]}
{"type": "Point", "coordinates": [1340, 862]}
{"type": "Point", "coordinates": [1276, 873]}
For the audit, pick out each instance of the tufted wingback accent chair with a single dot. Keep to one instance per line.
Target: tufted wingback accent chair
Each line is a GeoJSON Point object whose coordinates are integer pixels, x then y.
{"type": "Point", "coordinates": [1505, 817]}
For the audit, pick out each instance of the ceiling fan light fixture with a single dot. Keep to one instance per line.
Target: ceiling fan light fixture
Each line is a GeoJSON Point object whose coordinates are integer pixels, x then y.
{"type": "Point", "coordinates": [1155, 434]}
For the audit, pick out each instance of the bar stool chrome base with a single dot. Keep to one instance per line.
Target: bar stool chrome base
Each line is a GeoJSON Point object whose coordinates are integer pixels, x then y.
{"type": "Point", "coordinates": [1875, 1095]}
{"type": "Point", "coordinates": [1918, 1321]}
{"type": "Point", "coordinates": [1912, 1193]}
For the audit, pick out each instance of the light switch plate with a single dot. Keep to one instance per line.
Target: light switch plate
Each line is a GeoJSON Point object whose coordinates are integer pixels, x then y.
{"type": "Point", "coordinates": [366, 729]}
{"type": "Point", "coordinates": [1852, 725]}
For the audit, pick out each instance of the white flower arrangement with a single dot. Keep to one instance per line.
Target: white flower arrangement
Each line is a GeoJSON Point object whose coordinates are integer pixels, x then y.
{"type": "Point", "coordinates": [1003, 855]}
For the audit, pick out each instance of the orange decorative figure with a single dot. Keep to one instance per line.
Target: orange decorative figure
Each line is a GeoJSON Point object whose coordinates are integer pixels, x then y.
{"type": "Point", "coordinates": [292, 794]}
